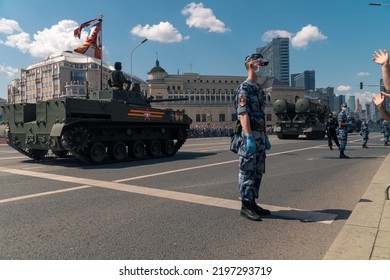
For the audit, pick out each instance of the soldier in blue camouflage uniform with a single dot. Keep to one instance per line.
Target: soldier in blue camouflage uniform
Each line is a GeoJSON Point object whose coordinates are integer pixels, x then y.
{"type": "Point", "coordinates": [249, 103]}
{"type": "Point", "coordinates": [343, 130]}
{"type": "Point", "coordinates": [386, 132]}
{"type": "Point", "coordinates": [364, 133]}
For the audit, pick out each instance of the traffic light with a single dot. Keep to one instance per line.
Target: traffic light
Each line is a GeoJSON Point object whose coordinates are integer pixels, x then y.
{"type": "Point", "coordinates": [361, 85]}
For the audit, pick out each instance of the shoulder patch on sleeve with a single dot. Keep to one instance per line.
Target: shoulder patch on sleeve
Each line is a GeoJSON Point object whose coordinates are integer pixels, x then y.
{"type": "Point", "coordinates": [242, 101]}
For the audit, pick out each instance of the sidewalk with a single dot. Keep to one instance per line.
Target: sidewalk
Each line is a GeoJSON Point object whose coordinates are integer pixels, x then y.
{"type": "Point", "coordinates": [366, 234]}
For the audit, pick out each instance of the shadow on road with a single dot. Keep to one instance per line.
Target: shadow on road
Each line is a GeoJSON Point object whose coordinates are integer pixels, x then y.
{"type": "Point", "coordinates": [327, 215]}
{"type": "Point", "coordinates": [71, 161]}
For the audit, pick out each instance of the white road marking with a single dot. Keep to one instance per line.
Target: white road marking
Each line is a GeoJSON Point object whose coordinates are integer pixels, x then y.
{"type": "Point", "coordinates": [8, 158]}
{"type": "Point", "coordinates": [286, 212]}
{"type": "Point", "coordinates": [42, 194]}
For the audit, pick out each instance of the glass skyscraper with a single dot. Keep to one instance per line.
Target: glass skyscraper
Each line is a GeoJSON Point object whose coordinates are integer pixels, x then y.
{"type": "Point", "coordinates": [278, 54]}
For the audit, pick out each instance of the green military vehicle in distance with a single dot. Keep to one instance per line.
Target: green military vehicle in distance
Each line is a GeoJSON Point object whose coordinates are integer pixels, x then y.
{"type": "Point", "coordinates": [304, 117]}
{"type": "Point", "coordinates": [108, 126]}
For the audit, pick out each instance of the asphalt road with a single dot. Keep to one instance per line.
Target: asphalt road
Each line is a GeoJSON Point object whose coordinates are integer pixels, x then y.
{"type": "Point", "coordinates": [184, 207]}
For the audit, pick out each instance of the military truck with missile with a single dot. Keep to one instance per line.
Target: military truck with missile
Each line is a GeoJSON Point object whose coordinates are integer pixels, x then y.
{"type": "Point", "coordinates": [107, 126]}
{"type": "Point", "coordinates": [304, 117]}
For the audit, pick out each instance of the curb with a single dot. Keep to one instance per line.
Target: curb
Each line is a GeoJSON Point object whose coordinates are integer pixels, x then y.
{"type": "Point", "coordinates": [366, 234]}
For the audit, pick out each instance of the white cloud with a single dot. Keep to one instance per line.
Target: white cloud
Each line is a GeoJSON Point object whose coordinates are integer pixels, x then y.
{"type": "Point", "coordinates": [271, 34]}
{"type": "Point", "coordinates": [19, 41]}
{"type": "Point", "coordinates": [163, 32]}
{"type": "Point", "coordinates": [308, 34]}
{"type": "Point", "coordinates": [9, 26]}
{"type": "Point", "coordinates": [343, 88]}
{"type": "Point", "coordinates": [204, 18]}
{"type": "Point", "coordinates": [363, 74]}
{"type": "Point", "coordinates": [57, 38]}
{"type": "Point", "coordinates": [301, 39]}
{"type": "Point", "coordinates": [8, 71]}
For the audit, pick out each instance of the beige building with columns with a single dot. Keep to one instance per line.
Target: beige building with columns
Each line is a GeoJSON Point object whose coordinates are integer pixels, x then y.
{"type": "Point", "coordinates": [210, 98]}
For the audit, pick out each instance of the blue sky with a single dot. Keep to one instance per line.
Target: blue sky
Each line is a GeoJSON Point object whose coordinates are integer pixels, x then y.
{"type": "Point", "coordinates": [336, 38]}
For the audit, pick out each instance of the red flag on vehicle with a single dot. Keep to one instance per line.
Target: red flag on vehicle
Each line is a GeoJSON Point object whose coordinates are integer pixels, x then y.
{"type": "Point", "coordinates": [77, 31]}
{"type": "Point", "coordinates": [92, 45]}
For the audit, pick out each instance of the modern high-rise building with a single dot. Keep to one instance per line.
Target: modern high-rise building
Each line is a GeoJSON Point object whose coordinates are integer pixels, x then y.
{"type": "Point", "coordinates": [278, 54]}
{"type": "Point", "coordinates": [325, 96]}
{"type": "Point", "coordinates": [338, 100]}
{"type": "Point", "coordinates": [359, 107]}
{"type": "Point", "coordinates": [306, 79]}
{"type": "Point", "coordinates": [351, 104]}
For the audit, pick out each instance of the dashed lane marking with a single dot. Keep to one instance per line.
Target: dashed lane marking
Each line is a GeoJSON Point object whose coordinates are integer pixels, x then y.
{"type": "Point", "coordinates": [283, 212]}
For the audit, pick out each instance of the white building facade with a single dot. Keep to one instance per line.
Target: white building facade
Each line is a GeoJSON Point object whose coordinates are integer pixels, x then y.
{"type": "Point", "coordinates": [66, 73]}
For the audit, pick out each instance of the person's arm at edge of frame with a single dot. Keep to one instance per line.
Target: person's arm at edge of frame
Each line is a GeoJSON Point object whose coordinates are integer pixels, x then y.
{"type": "Point", "coordinates": [378, 101]}
{"type": "Point", "coordinates": [381, 57]}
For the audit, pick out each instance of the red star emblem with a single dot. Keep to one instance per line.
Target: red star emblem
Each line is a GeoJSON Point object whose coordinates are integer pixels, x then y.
{"type": "Point", "coordinates": [147, 115]}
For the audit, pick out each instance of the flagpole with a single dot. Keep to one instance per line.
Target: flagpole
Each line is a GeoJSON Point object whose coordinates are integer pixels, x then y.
{"type": "Point", "coordinates": [101, 52]}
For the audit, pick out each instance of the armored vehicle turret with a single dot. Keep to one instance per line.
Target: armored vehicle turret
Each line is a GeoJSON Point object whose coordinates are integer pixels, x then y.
{"type": "Point", "coordinates": [107, 126]}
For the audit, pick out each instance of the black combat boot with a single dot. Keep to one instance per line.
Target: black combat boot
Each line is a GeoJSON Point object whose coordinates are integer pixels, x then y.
{"type": "Point", "coordinates": [365, 146]}
{"type": "Point", "coordinates": [259, 210]}
{"type": "Point", "coordinates": [330, 147]}
{"type": "Point", "coordinates": [342, 155]}
{"type": "Point", "coordinates": [248, 212]}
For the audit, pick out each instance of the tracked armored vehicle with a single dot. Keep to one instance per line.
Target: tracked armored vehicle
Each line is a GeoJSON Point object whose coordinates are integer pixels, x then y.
{"type": "Point", "coordinates": [304, 117]}
{"type": "Point", "coordinates": [108, 126]}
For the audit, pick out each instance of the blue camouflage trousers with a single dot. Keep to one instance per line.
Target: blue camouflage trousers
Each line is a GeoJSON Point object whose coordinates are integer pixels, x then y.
{"type": "Point", "coordinates": [365, 137]}
{"type": "Point", "coordinates": [252, 168]}
{"type": "Point", "coordinates": [386, 135]}
{"type": "Point", "coordinates": [343, 133]}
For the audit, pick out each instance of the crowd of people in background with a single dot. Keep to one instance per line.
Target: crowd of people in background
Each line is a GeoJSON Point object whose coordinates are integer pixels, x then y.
{"type": "Point", "coordinates": [210, 130]}
{"type": "Point", "coordinates": [214, 130]}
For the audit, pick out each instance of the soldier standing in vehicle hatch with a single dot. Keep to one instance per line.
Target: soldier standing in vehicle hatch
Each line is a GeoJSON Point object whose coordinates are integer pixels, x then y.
{"type": "Point", "coordinates": [250, 103]}
{"type": "Point", "coordinates": [117, 79]}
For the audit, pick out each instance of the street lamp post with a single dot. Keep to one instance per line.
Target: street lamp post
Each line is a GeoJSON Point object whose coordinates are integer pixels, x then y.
{"type": "Point", "coordinates": [131, 59]}
{"type": "Point", "coordinates": [378, 4]}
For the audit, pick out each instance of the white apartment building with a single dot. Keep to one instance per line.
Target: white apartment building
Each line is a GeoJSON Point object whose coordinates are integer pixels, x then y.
{"type": "Point", "coordinates": [66, 73]}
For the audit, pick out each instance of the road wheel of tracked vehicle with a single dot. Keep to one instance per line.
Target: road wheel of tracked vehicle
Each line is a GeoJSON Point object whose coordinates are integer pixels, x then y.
{"type": "Point", "coordinates": [60, 154]}
{"type": "Point", "coordinates": [154, 148]}
{"type": "Point", "coordinates": [76, 139]}
{"type": "Point", "coordinates": [117, 151]}
{"type": "Point", "coordinates": [137, 149]}
{"type": "Point", "coordinates": [168, 148]}
{"type": "Point", "coordinates": [37, 154]}
{"type": "Point", "coordinates": [97, 152]}
{"type": "Point", "coordinates": [182, 134]}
